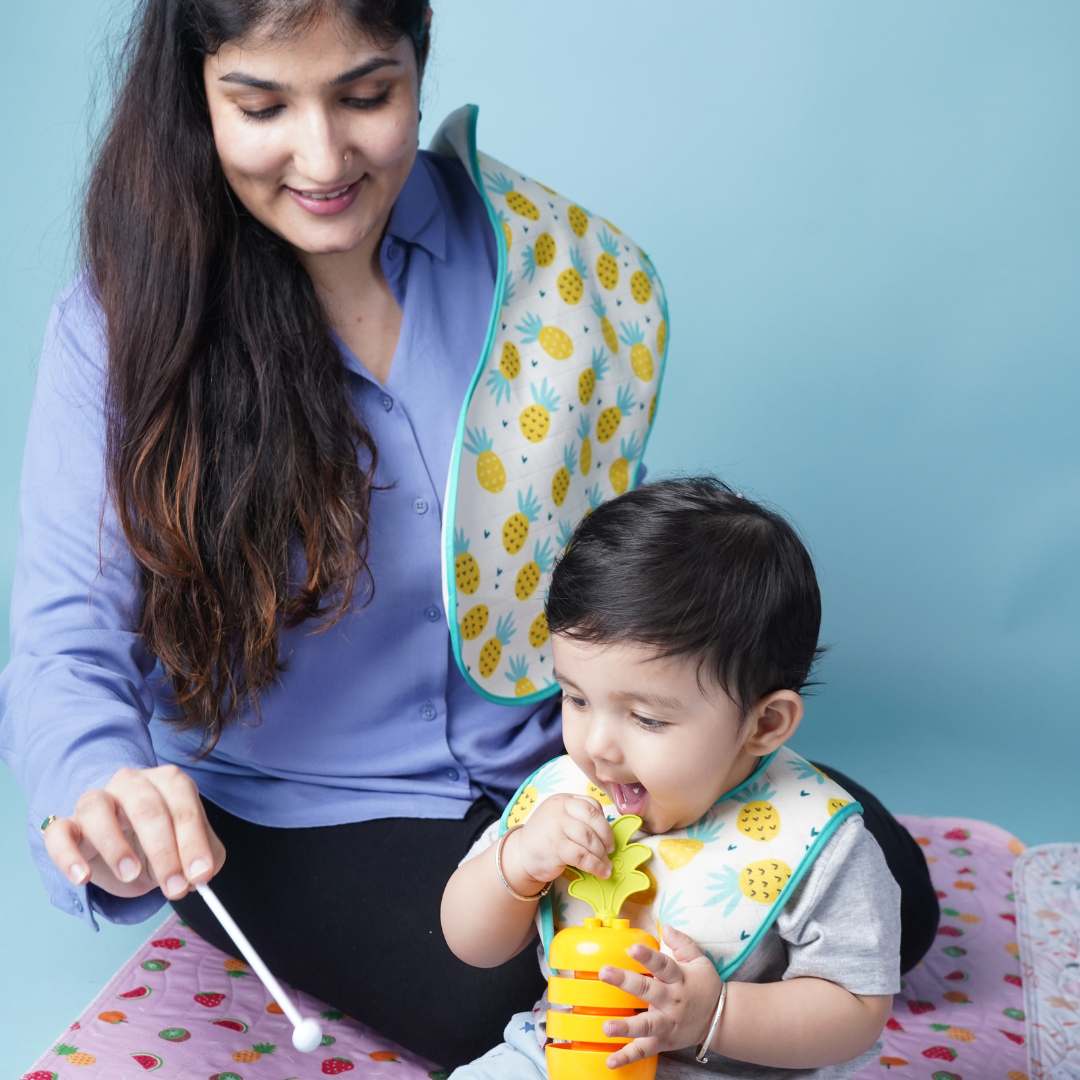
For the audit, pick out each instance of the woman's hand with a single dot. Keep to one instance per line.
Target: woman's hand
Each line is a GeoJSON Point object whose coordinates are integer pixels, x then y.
{"type": "Point", "coordinates": [681, 997]}
{"type": "Point", "coordinates": [564, 830]}
{"type": "Point", "coordinates": [146, 828]}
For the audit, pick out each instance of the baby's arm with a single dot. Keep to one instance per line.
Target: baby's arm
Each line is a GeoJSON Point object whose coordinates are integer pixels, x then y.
{"type": "Point", "coordinates": [483, 924]}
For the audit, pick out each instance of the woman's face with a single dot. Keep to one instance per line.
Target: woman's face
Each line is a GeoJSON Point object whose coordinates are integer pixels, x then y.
{"type": "Point", "coordinates": [328, 113]}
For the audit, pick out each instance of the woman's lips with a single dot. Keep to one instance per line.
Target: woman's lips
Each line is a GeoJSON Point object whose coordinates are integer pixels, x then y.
{"type": "Point", "coordinates": [323, 207]}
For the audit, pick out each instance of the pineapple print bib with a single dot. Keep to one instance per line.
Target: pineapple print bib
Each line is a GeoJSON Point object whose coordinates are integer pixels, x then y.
{"type": "Point", "coordinates": [556, 419]}
{"type": "Point", "coordinates": [723, 880]}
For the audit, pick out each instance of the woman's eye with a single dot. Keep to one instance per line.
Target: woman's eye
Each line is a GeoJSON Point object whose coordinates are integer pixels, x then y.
{"type": "Point", "coordinates": [367, 103]}
{"type": "Point", "coordinates": [262, 114]}
{"type": "Point", "coordinates": [649, 724]}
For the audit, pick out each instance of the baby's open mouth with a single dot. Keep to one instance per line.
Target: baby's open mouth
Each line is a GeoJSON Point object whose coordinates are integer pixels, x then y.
{"type": "Point", "coordinates": [629, 798]}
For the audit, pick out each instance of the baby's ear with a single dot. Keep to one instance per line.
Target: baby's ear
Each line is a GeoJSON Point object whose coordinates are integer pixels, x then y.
{"type": "Point", "coordinates": [775, 719]}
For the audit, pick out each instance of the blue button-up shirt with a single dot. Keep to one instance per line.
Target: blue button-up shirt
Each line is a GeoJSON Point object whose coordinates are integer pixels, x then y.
{"type": "Point", "coordinates": [371, 719]}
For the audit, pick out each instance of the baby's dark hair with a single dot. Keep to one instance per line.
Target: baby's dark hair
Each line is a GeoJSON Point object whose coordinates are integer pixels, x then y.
{"type": "Point", "coordinates": [693, 569]}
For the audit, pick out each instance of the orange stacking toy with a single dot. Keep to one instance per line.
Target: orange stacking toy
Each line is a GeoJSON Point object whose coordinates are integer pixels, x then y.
{"type": "Point", "coordinates": [579, 1049]}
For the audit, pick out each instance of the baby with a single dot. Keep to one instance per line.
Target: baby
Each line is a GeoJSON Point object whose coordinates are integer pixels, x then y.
{"type": "Point", "coordinates": [684, 622]}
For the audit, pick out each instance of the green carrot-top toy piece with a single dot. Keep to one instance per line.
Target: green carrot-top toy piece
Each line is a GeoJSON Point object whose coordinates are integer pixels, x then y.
{"type": "Point", "coordinates": [606, 896]}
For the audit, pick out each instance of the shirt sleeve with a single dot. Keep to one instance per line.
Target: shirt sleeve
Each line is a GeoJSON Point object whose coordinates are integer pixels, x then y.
{"type": "Point", "coordinates": [74, 698]}
{"type": "Point", "coordinates": [844, 922]}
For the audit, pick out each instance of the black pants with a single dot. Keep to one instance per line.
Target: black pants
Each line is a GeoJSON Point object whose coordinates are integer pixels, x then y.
{"type": "Point", "coordinates": [350, 914]}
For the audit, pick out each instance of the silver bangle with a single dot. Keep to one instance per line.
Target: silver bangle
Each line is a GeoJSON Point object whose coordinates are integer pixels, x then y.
{"type": "Point", "coordinates": [502, 876]}
{"type": "Point", "coordinates": [703, 1049]}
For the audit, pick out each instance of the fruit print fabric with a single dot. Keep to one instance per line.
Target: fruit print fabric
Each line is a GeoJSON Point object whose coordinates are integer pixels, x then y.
{"type": "Point", "coordinates": [556, 420]}
{"type": "Point", "coordinates": [960, 1014]}
{"type": "Point", "coordinates": [1047, 880]}
{"type": "Point", "coordinates": [181, 1009]}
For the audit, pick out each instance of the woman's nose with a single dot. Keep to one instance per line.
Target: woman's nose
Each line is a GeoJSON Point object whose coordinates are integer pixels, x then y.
{"type": "Point", "coordinates": [320, 153]}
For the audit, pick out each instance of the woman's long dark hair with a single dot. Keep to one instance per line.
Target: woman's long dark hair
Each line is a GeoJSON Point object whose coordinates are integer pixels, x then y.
{"type": "Point", "coordinates": [230, 438]}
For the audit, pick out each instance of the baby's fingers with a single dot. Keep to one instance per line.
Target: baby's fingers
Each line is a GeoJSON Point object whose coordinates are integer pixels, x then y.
{"type": "Point", "coordinates": [62, 839]}
{"type": "Point", "coordinates": [576, 853]}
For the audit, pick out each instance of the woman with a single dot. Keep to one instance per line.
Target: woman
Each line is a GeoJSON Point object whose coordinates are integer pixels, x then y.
{"type": "Point", "coordinates": [230, 632]}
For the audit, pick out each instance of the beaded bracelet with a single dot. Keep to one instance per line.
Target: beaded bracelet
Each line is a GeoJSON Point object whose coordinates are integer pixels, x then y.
{"type": "Point", "coordinates": [502, 876]}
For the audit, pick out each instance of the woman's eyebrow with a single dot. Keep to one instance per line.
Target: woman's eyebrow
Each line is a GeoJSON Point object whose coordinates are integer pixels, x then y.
{"type": "Point", "coordinates": [349, 76]}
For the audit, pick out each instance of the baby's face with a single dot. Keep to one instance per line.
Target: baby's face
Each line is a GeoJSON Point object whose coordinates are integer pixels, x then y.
{"type": "Point", "coordinates": [643, 729]}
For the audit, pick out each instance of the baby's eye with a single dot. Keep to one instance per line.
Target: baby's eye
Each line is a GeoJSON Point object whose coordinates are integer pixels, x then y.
{"type": "Point", "coordinates": [578, 703]}
{"type": "Point", "coordinates": [649, 724]}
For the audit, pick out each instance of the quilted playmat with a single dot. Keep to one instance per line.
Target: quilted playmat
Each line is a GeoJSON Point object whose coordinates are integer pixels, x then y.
{"type": "Point", "coordinates": [1047, 882]}
{"type": "Point", "coordinates": [179, 1008]}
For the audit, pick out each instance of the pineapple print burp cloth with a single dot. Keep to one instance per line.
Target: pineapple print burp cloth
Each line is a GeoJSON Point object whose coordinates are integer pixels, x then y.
{"type": "Point", "coordinates": [723, 880]}
{"type": "Point", "coordinates": [557, 418]}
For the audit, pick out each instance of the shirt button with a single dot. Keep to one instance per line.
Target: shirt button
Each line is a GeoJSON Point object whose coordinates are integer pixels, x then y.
{"type": "Point", "coordinates": [452, 774]}
{"type": "Point", "coordinates": [387, 402]}
{"type": "Point", "coordinates": [433, 613]}
{"type": "Point", "coordinates": [428, 711]}
{"type": "Point", "coordinates": [420, 506]}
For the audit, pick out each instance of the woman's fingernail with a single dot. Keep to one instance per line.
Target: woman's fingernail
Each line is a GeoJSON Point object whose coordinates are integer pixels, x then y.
{"type": "Point", "coordinates": [176, 884]}
{"type": "Point", "coordinates": [77, 872]}
{"type": "Point", "coordinates": [128, 869]}
{"type": "Point", "coordinates": [198, 867]}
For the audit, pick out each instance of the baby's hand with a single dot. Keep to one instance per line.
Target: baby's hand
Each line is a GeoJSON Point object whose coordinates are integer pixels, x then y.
{"type": "Point", "coordinates": [564, 830]}
{"type": "Point", "coordinates": [681, 997]}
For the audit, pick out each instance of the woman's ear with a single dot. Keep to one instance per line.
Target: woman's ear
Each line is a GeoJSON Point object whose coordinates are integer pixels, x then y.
{"type": "Point", "coordinates": [773, 720]}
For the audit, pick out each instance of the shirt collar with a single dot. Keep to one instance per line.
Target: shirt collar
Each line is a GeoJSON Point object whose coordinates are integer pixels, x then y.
{"type": "Point", "coordinates": [419, 215]}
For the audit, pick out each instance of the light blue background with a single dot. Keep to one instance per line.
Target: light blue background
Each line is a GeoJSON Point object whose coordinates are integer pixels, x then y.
{"type": "Point", "coordinates": [867, 217]}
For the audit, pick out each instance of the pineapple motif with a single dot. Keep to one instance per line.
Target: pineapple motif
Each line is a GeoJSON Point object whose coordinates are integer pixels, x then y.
{"type": "Point", "coordinates": [836, 805]}
{"type": "Point", "coordinates": [607, 263]}
{"type": "Point", "coordinates": [466, 568]}
{"type": "Point", "coordinates": [528, 577]}
{"type": "Point", "coordinates": [515, 529]}
{"type": "Point", "coordinates": [652, 410]}
{"type": "Point", "coordinates": [523, 807]}
{"type": "Point", "coordinates": [491, 653]}
{"type": "Point", "coordinates": [538, 630]}
{"type": "Point", "coordinates": [761, 882]}
{"type": "Point", "coordinates": [501, 184]}
{"type": "Point", "coordinates": [560, 482]}
{"type": "Point", "coordinates": [490, 471]}
{"type": "Point", "coordinates": [608, 422]}
{"type": "Point", "coordinates": [595, 499]}
{"type": "Point", "coordinates": [678, 853]}
{"type": "Point", "coordinates": [508, 234]}
{"type": "Point", "coordinates": [73, 1055]}
{"type": "Point", "coordinates": [619, 472]}
{"type": "Point", "coordinates": [535, 419]}
{"type": "Point", "coordinates": [555, 342]}
{"type": "Point", "coordinates": [499, 379]}
{"type": "Point", "coordinates": [661, 337]}
{"type": "Point", "coordinates": [804, 770]}
{"type": "Point", "coordinates": [565, 535]}
{"type": "Point", "coordinates": [519, 676]}
{"type": "Point", "coordinates": [641, 281]}
{"type": "Point", "coordinates": [588, 379]}
{"type": "Point", "coordinates": [641, 359]}
{"type": "Point", "coordinates": [579, 219]}
{"type": "Point", "coordinates": [758, 818]}
{"type": "Point", "coordinates": [257, 1051]}
{"type": "Point", "coordinates": [539, 253]}
{"type": "Point", "coordinates": [585, 454]}
{"type": "Point", "coordinates": [611, 339]}
{"type": "Point", "coordinates": [599, 794]}
{"type": "Point", "coordinates": [474, 622]}
{"type": "Point", "coordinates": [670, 911]}
{"type": "Point", "coordinates": [571, 281]}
